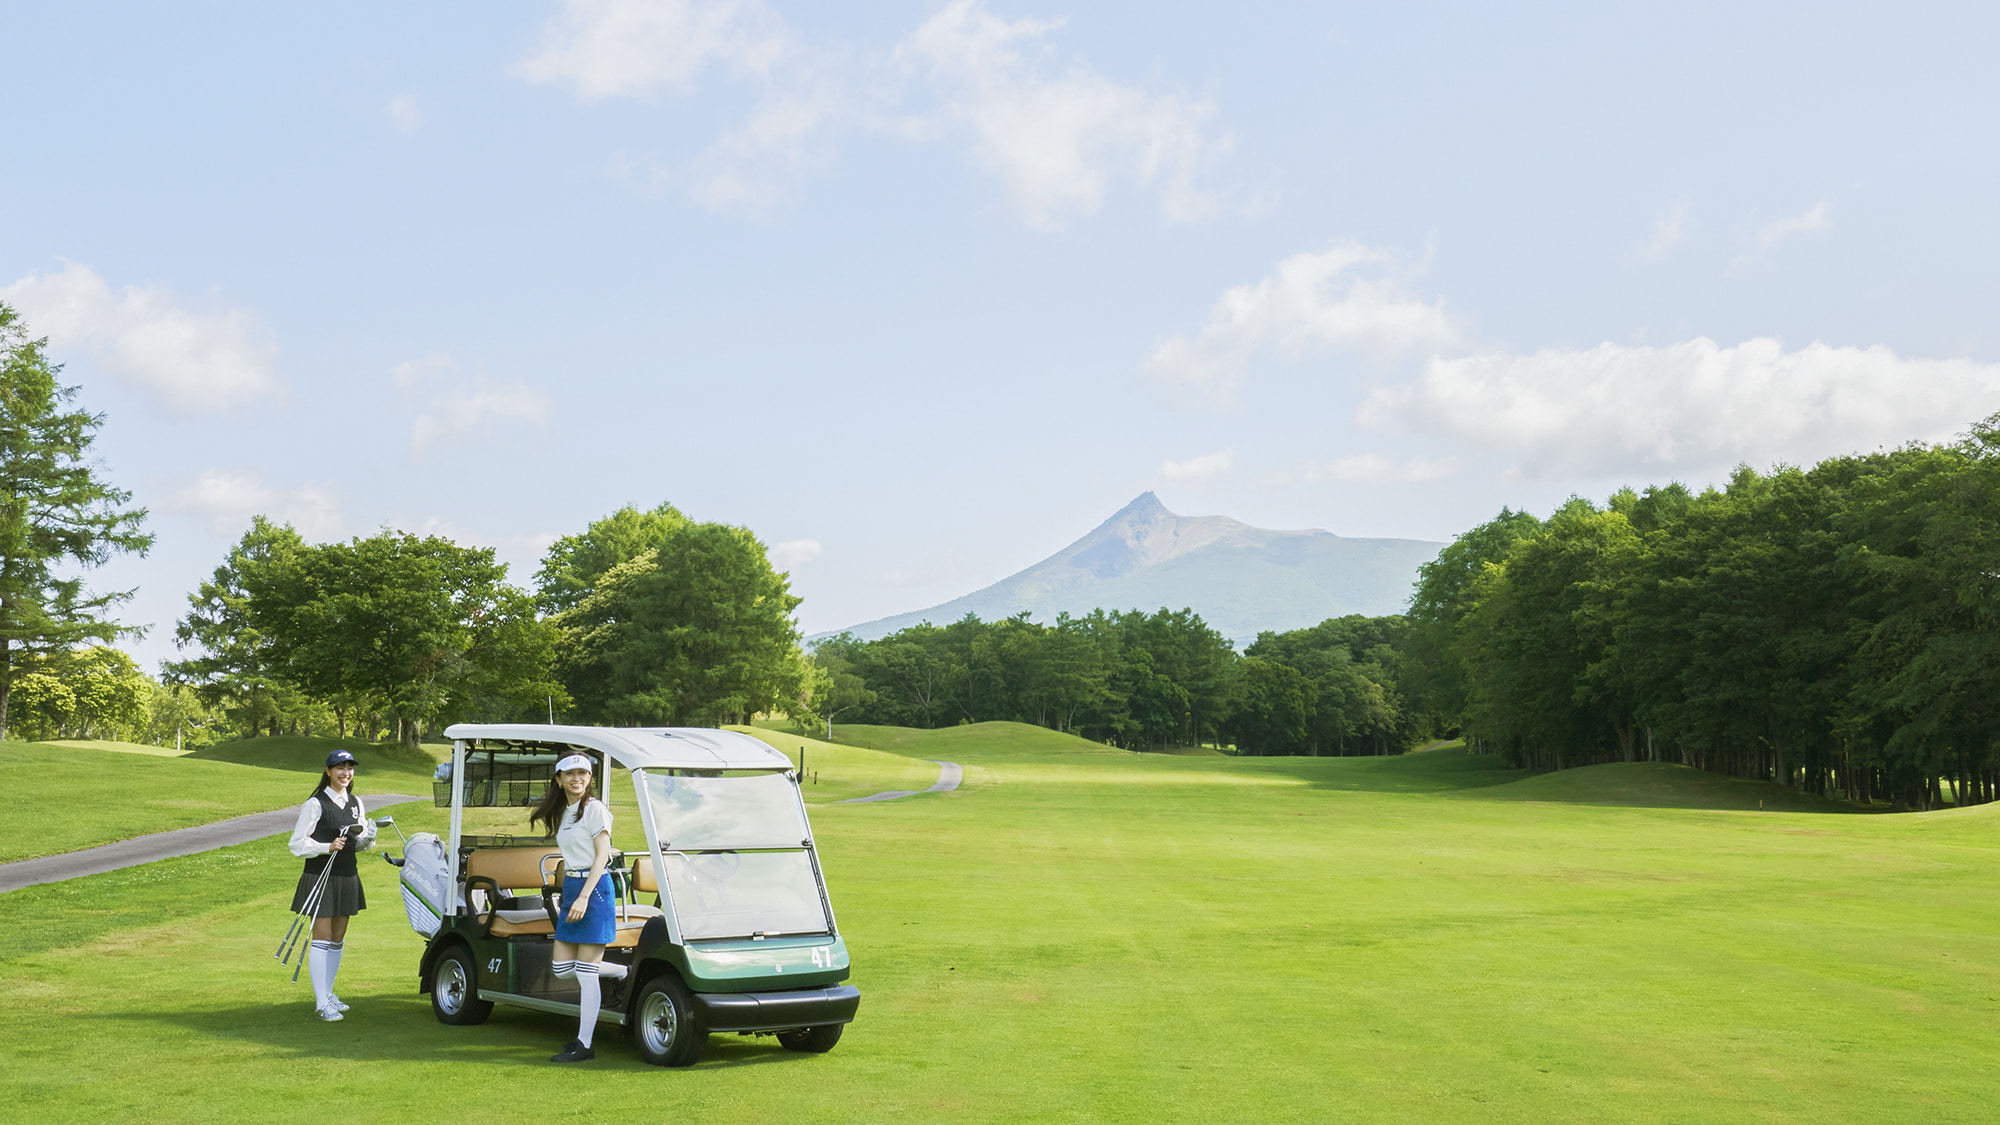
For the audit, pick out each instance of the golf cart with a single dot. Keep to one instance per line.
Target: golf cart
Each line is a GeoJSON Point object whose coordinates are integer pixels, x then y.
{"type": "Point", "coordinates": [723, 921]}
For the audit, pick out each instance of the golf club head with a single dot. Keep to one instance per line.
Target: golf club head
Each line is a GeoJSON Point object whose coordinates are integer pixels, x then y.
{"type": "Point", "coordinates": [390, 822]}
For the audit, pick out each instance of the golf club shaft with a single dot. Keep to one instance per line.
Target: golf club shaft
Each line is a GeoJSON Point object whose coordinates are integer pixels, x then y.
{"type": "Point", "coordinates": [306, 908]}
{"type": "Point", "coordinates": [306, 916]}
{"type": "Point", "coordinates": [299, 917]}
{"type": "Point", "coordinates": [303, 923]}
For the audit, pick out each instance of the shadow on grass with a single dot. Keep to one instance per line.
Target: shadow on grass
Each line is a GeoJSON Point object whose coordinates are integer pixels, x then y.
{"type": "Point", "coordinates": [1454, 773]}
{"type": "Point", "coordinates": [402, 1029]}
{"type": "Point", "coordinates": [1663, 785]}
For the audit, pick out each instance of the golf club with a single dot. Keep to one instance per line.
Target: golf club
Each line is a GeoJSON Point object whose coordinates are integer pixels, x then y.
{"type": "Point", "coordinates": [390, 822]}
{"type": "Point", "coordinates": [302, 923]}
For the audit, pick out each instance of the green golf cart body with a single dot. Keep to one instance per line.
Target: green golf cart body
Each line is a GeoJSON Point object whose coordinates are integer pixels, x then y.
{"type": "Point", "coordinates": [723, 920]}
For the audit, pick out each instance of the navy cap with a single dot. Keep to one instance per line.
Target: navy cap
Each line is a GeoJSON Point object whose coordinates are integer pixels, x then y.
{"type": "Point", "coordinates": [339, 758]}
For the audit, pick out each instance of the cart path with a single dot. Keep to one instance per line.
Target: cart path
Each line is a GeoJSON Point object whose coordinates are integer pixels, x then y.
{"type": "Point", "coordinates": [949, 775]}
{"type": "Point", "coordinates": [164, 845]}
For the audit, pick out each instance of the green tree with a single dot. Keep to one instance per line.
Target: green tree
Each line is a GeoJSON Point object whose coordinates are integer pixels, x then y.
{"type": "Point", "coordinates": [1536, 644]}
{"type": "Point", "coordinates": [92, 692]}
{"type": "Point", "coordinates": [428, 627]}
{"type": "Point", "coordinates": [697, 630]}
{"type": "Point", "coordinates": [1273, 708]}
{"type": "Point", "coordinates": [1444, 596]}
{"type": "Point", "coordinates": [55, 513]}
{"type": "Point", "coordinates": [573, 564]}
{"type": "Point", "coordinates": [234, 667]}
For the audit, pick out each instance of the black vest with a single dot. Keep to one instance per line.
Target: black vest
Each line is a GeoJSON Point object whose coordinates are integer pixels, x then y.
{"type": "Point", "coordinates": [332, 818]}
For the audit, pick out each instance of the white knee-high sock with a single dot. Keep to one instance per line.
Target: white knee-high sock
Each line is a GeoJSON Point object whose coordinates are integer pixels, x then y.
{"type": "Point", "coordinates": [333, 952]}
{"type": "Point", "coordinates": [586, 983]}
{"type": "Point", "coordinates": [565, 969]}
{"type": "Point", "coordinates": [316, 968]}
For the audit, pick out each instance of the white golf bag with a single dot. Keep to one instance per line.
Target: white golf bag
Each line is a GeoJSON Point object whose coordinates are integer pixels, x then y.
{"type": "Point", "coordinates": [426, 882]}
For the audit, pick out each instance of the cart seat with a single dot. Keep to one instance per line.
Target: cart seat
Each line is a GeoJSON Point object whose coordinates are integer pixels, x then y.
{"type": "Point", "coordinates": [492, 874]}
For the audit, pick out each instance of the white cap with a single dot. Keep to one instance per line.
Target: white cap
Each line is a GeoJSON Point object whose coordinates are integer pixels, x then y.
{"type": "Point", "coordinates": [573, 762]}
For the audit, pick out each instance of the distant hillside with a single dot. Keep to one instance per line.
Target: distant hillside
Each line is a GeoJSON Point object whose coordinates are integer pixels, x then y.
{"type": "Point", "coordinates": [1243, 580]}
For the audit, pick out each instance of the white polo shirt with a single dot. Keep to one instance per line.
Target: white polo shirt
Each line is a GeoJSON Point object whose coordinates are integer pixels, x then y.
{"type": "Point", "coordinates": [577, 838]}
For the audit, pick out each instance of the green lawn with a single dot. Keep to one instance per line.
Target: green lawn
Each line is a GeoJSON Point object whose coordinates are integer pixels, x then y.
{"type": "Point", "coordinates": [114, 791]}
{"type": "Point", "coordinates": [1084, 934]}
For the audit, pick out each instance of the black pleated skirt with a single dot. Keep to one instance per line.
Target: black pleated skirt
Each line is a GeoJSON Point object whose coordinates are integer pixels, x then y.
{"type": "Point", "coordinates": [342, 896]}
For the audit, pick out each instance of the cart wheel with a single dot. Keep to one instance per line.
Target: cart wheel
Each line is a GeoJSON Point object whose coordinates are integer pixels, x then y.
{"type": "Point", "coordinates": [455, 990]}
{"type": "Point", "coordinates": [663, 1024]}
{"type": "Point", "coordinates": [812, 1040]}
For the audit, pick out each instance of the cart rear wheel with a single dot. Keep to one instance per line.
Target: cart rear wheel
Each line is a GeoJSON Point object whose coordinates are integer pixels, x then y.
{"type": "Point", "coordinates": [455, 990]}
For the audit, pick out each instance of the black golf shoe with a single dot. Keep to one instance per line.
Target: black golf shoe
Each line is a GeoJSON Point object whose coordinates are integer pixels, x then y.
{"type": "Point", "coordinates": [575, 1051]}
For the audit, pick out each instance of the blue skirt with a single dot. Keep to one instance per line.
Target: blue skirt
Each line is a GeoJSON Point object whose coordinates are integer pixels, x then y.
{"type": "Point", "coordinates": [599, 923]}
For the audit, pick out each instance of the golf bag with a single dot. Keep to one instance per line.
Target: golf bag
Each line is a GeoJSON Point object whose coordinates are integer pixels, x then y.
{"type": "Point", "coordinates": [426, 882]}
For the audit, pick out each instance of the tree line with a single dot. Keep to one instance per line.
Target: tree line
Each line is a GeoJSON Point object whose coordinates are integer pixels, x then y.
{"type": "Point", "coordinates": [1150, 681]}
{"type": "Point", "coordinates": [1833, 629]}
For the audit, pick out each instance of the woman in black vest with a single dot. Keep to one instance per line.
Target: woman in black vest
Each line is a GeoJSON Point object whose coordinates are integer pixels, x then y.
{"type": "Point", "coordinates": [332, 826]}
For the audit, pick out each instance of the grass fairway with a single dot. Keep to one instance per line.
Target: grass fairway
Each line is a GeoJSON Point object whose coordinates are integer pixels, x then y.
{"type": "Point", "coordinates": [1082, 934]}
{"type": "Point", "coordinates": [114, 791]}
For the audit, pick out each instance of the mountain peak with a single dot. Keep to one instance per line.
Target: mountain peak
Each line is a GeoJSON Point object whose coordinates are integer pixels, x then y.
{"type": "Point", "coordinates": [1145, 506]}
{"type": "Point", "coordinates": [1243, 580]}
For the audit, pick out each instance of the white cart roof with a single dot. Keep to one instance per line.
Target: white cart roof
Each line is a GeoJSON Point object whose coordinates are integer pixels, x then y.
{"type": "Point", "coordinates": [681, 748]}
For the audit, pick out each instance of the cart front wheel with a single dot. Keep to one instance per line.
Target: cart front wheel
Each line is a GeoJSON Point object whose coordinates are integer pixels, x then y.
{"type": "Point", "coordinates": [663, 1023]}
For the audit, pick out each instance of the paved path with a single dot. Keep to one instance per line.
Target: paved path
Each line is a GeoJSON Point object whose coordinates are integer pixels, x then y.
{"type": "Point", "coordinates": [164, 845]}
{"type": "Point", "coordinates": [949, 775]}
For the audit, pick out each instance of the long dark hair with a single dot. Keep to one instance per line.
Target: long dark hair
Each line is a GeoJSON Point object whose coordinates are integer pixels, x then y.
{"type": "Point", "coordinates": [326, 780]}
{"type": "Point", "coordinates": [554, 801]}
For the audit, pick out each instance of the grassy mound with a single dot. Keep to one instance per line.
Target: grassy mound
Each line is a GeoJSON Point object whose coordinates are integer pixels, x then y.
{"type": "Point", "coordinates": [308, 755]}
{"type": "Point", "coordinates": [836, 772]}
{"type": "Point", "coordinates": [1663, 786]}
{"type": "Point", "coordinates": [1014, 741]}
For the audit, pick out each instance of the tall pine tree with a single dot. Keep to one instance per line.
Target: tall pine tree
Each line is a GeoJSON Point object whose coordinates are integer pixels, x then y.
{"type": "Point", "coordinates": [56, 515]}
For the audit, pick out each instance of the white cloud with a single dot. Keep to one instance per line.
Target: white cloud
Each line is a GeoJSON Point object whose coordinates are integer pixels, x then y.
{"type": "Point", "coordinates": [194, 360]}
{"type": "Point", "coordinates": [1694, 407]}
{"type": "Point", "coordinates": [454, 405]}
{"type": "Point", "coordinates": [1311, 302]}
{"type": "Point", "coordinates": [639, 48]}
{"type": "Point", "coordinates": [227, 499]}
{"type": "Point", "coordinates": [1059, 135]}
{"type": "Point", "coordinates": [474, 409]}
{"type": "Point", "coordinates": [1365, 468]}
{"type": "Point", "coordinates": [1206, 467]}
{"type": "Point", "coordinates": [794, 553]}
{"type": "Point", "coordinates": [1668, 232]}
{"type": "Point", "coordinates": [412, 373]}
{"type": "Point", "coordinates": [759, 166]}
{"type": "Point", "coordinates": [1815, 219]}
{"type": "Point", "coordinates": [405, 114]}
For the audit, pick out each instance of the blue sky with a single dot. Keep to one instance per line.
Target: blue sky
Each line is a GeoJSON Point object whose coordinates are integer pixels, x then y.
{"type": "Point", "coordinates": [919, 292]}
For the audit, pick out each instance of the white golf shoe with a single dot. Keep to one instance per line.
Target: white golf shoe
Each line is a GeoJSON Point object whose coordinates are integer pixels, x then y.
{"type": "Point", "coordinates": [329, 1013]}
{"type": "Point", "coordinates": [334, 1001]}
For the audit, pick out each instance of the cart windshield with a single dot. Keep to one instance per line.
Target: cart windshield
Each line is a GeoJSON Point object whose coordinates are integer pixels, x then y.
{"type": "Point", "coordinates": [736, 860]}
{"type": "Point", "coordinates": [695, 813]}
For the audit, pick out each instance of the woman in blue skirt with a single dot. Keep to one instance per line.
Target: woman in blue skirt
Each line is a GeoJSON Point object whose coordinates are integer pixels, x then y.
{"type": "Point", "coordinates": [585, 923]}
